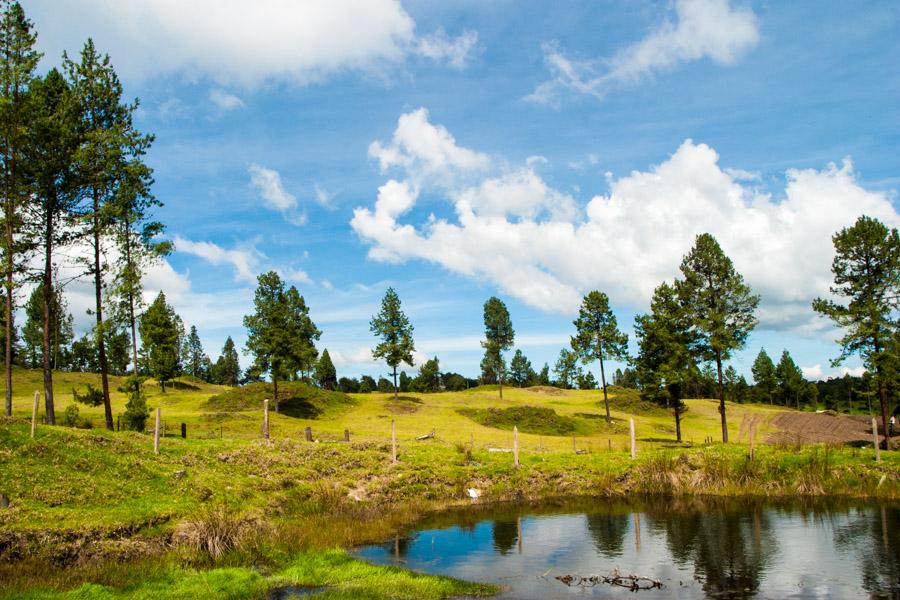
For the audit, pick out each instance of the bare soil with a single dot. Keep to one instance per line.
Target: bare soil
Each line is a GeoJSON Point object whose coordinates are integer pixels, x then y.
{"type": "Point", "coordinates": [813, 428]}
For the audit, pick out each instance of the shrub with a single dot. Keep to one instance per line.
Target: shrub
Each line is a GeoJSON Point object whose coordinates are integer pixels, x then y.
{"type": "Point", "coordinates": [91, 397]}
{"type": "Point", "coordinates": [136, 411]}
{"type": "Point", "coordinates": [70, 417]}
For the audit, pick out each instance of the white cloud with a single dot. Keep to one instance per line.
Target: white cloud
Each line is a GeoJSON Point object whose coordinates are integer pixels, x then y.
{"type": "Point", "coordinates": [425, 150]}
{"type": "Point", "coordinates": [535, 244]}
{"type": "Point", "coordinates": [854, 372]}
{"type": "Point", "coordinates": [237, 43]}
{"type": "Point", "coordinates": [323, 197]}
{"type": "Point", "coordinates": [711, 29]}
{"type": "Point", "coordinates": [268, 183]}
{"type": "Point", "coordinates": [297, 276]}
{"type": "Point", "coordinates": [244, 261]}
{"type": "Point", "coordinates": [813, 373]}
{"type": "Point", "coordinates": [225, 100]}
{"type": "Point", "coordinates": [440, 47]}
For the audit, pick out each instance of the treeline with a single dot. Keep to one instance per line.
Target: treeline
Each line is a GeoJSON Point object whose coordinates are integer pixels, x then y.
{"type": "Point", "coordinates": [75, 188]}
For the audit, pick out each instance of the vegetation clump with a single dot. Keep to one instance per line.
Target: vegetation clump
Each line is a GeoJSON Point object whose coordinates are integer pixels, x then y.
{"type": "Point", "coordinates": [295, 399]}
{"type": "Point", "coordinates": [528, 419]}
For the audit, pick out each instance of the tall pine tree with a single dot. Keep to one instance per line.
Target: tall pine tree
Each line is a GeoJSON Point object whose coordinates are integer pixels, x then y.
{"type": "Point", "coordinates": [160, 336]}
{"type": "Point", "coordinates": [396, 332]}
{"type": "Point", "coordinates": [598, 337]}
{"type": "Point", "coordinates": [498, 337]}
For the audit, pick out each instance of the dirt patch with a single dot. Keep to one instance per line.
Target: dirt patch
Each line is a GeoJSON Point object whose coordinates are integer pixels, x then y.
{"type": "Point", "coordinates": [811, 428]}
{"type": "Point", "coordinates": [402, 405]}
{"type": "Point", "coordinates": [546, 390]}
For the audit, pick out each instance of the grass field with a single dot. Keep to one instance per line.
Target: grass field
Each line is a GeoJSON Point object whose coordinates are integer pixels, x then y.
{"type": "Point", "coordinates": [83, 496]}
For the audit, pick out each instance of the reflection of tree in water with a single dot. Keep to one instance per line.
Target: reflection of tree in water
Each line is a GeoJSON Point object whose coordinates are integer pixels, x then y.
{"type": "Point", "coordinates": [875, 537]}
{"type": "Point", "coordinates": [399, 546]}
{"type": "Point", "coordinates": [506, 534]}
{"type": "Point", "coordinates": [730, 550]}
{"type": "Point", "coordinates": [608, 532]}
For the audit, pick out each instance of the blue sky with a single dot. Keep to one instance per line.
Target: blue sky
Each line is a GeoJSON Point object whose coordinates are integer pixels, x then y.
{"type": "Point", "coordinates": [529, 150]}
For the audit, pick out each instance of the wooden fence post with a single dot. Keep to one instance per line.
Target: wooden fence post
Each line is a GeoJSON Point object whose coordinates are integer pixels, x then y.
{"type": "Point", "coordinates": [34, 410]}
{"type": "Point", "coordinates": [184, 431]}
{"type": "Point", "coordinates": [156, 432]}
{"type": "Point", "coordinates": [308, 433]}
{"type": "Point", "coordinates": [574, 447]}
{"type": "Point", "coordinates": [752, 435]}
{"type": "Point", "coordinates": [393, 443]}
{"type": "Point", "coordinates": [347, 435]}
{"type": "Point", "coordinates": [631, 428]}
{"type": "Point", "coordinates": [515, 446]}
{"type": "Point", "coordinates": [875, 438]}
{"type": "Point", "coordinates": [266, 418]}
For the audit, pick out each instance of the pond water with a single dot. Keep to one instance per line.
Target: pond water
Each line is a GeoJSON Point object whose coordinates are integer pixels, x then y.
{"type": "Point", "coordinates": [695, 548]}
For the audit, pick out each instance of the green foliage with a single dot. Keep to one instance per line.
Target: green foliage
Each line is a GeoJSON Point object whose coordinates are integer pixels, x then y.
{"type": "Point", "coordinates": [91, 396]}
{"type": "Point", "coordinates": [566, 369]}
{"type": "Point", "coordinates": [597, 332]}
{"type": "Point", "coordinates": [348, 385]}
{"type": "Point", "coordinates": [136, 411]}
{"type": "Point", "coordinates": [195, 365]}
{"type": "Point", "coordinates": [385, 386]}
{"type": "Point", "coordinates": [866, 270]}
{"type": "Point", "coordinates": [61, 329]}
{"type": "Point", "coordinates": [764, 377]}
{"type": "Point", "coordinates": [529, 419]}
{"type": "Point", "coordinates": [520, 371]}
{"type": "Point", "coordinates": [429, 377]}
{"type": "Point", "coordinates": [367, 384]}
{"type": "Point", "coordinates": [395, 330]}
{"type": "Point", "coordinates": [498, 338]}
{"type": "Point", "coordinates": [70, 416]}
{"type": "Point", "coordinates": [298, 399]}
{"type": "Point", "coordinates": [160, 335]}
{"type": "Point", "coordinates": [326, 375]}
{"type": "Point", "coordinates": [791, 384]}
{"type": "Point", "coordinates": [227, 370]}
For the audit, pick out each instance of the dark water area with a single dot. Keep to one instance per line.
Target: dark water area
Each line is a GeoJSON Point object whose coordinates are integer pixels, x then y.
{"type": "Point", "coordinates": [695, 548]}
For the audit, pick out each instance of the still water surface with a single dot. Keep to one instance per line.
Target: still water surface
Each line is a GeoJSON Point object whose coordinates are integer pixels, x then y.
{"type": "Point", "coordinates": [697, 549]}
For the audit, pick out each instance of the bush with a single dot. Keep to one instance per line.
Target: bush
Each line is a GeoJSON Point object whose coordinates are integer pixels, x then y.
{"type": "Point", "coordinates": [70, 417]}
{"type": "Point", "coordinates": [91, 397]}
{"type": "Point", "coordinates": [136, 411]}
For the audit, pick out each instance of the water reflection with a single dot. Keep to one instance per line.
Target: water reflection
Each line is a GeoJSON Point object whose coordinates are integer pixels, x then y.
{"type": "Point", "coordinates": [698, 549]}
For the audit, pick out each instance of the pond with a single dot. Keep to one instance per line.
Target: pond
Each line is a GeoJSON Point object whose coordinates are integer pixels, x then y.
{"type": "Point", "coordinates": [695, 548]}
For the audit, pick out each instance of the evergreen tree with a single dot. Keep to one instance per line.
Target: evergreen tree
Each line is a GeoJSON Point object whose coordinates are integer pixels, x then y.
{"type": "Point", "coordinates": [791, 384]}
{"type": "Point", "coordinates": [84, 354]}
{"type": "Point", "coordinates": [763, 371]}
{"type": "Point", "coordinates": [395, 331]}
{"type": "Point", "coordinates": [520, 371]}
{"type": "Point", "coordinates": [566, 369]}
{"type": "Point", "coordinates": [586, 381]}
{"type": "Point", "coordinates": [385, 386]}
{"type": "Point", "coordinates": [543, 377]}
{"type": "Point", "coordinates": [499, 336]}
{"type": "Point", "coordinates": [348, 385]}
{"type": "Point", "coordinates": [326, 375]}
{"type": "Point", "coordinates": [721, 307]}
{"type": "Point", "coordinates": [51, 169]}
{"type": "Point", "coordinates": [195, 364]}
{"type": "Point", "coordinates": [227, 369]}
{"type": "Point", "coordinates": [866, 270]}
{"type": "Point", "coordinates": [61, 333]}
{"type": "Point", "coordinates": [303, 354]}
{"type": "Point", "coordinates": [598, 337]}
{"type": "Point", "coordinates": [367, 384]}
{"type": "Point", "coordinates": [118, 345]}
{"type": "Point", "coordinates": [664, 362]}
{"type": "Point", "coordinates": [488, 369]}
{"type": "Point", "coordinates": [405, 380]}
{"type": "Point", "coordinates": [110, 143]}
{"type": "Point", "coordinates": [429, 377]}
{"type": "Point", "coordinates": [269, 331]}
{"type": "Point", "coordinates": [136, 411]}
{"type": "Point", "coordinates": [160, 339]}
{"type": "Point", "coordinates": [18, 61]}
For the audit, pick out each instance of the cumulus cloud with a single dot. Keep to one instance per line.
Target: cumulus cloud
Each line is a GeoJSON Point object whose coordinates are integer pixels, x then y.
{"type": "Point", "coordinates": [538, 245]}
{"type": "Point", "coordinates": [244, 261]}
{"type": "Point", "coordinates": [225, 100]}
{"type": "Point", "coordinates": [234, 42]}
{"type": "Point", "coordinates": [711, 29]}
{"type": "Point", "coordinates": [267, 182]}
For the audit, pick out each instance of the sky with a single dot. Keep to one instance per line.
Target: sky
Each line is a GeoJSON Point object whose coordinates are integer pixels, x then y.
{"type": "Point", "coordinates": [530, 150]}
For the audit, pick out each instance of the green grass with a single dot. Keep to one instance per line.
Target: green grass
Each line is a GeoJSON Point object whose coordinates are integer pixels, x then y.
{"type": "Point", "coordinates": [340, 576]}
{"type": "Point", "coordinates": [534, 419]}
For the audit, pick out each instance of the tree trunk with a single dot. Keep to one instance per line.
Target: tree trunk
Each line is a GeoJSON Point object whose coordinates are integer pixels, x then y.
{"type": "Point", "coordinates": [131, 318]}
{"type": "Point", "coordinates": [500, 382]}
{"type": "Point", "coordinates": [98, 297]}
{"type": "Point", "coordinates": [48, 317]}
{"type": "Point", "coordinates": [275, 389]}
{"type": "Point", "coordinates": [678, 420]}
{"type": "Point", "coordinates": [395, 382]}
{"type": "Point", "coordinates": [722, 397]}
{"type": "Point", "coordinates": [603, 385]}
{"type": "Point", "coordinates": [882, 397]}
{"type": "Point", "coordinates": [8, 231]}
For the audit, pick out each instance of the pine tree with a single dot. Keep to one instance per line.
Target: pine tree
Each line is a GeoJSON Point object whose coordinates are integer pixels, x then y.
{"type": "Point", "coordinates": [302, 355]}
{"type": "Point", "coordinates": [866, 270]}
{"type": "Point", "coordinates": [566, 369]}
{"type": "Point", "coordinates": [598, 337]}
{"type": "Point", "coordinates": [161, 340]}
{"type": "Point", "coordinates": [429, 377]}
{"type": "Point", "coordinates": [395, 331]}
{"type": "Point", "coordinates": [790, 380]}
{"type": "Point", "coordinates": [110, 143]}
{"type": "Point", "coordinates": [499, 337]}
{"type": "Point", "coordinates": [664, 364]}
{"type": "Point", "coordinates": [228, 369]}
{"type": "Point", "coordinates": [326, 375]}
{"type": "Point", "coordinates": [196, 357]}
{"type": "Point", "coordinates": [60, 334]}
{"type": "Point", "coordinates": [520, 370]}
{"type": "Point", "coordinates": [268, 329]}
{"type": "Point", "coordinates": [721, 307]}
{"type": "Point", "coordinates": [763, 371]}
{"type": "Point", "coordinates": [18, 60]}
